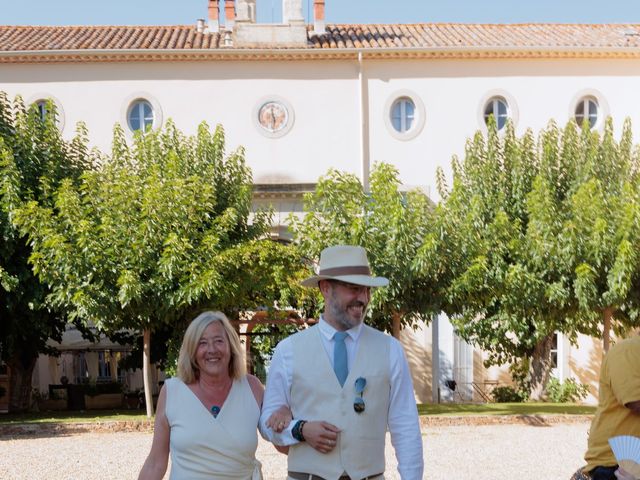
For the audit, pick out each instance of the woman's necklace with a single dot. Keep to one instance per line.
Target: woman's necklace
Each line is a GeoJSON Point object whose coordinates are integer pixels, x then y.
{"type": "Point", "coordinates": [217, 398]}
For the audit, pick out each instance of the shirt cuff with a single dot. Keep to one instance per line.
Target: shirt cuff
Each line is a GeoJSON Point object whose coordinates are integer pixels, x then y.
{"type": "Point", "coordinates": [285, 438]}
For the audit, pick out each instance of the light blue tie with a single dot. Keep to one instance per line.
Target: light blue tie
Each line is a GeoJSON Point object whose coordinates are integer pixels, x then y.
{"type": "Point", "coordinates": [340, 357]}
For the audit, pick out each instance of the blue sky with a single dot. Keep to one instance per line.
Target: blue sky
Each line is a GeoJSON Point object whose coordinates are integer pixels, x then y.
{"type": "Point", "coordinates": [167, 12]}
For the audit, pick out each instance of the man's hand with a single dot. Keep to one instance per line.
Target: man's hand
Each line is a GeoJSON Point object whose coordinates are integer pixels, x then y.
{"type": "Point", "coordinates": [280, 419]}
{"type": "Point", "coordinates": [320, 435]}
{"type": "Point", "coordinates": [622, 475]}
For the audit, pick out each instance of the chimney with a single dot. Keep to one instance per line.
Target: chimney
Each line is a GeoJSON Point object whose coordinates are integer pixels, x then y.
{"type": "Point", "coordinates": [318, 17]}
{"type": "Point", "coordinates": [227, 41]}
{"type": "Point", "coordinates": [214, 16]}
{"type": "Point", "coordinates": [246, 11]}
{"type": "Point", "coordinates": [292, 12]}
{"type": "Point", "coordinates": [200, 25]}
{"type": "Point", "coordinates": [292, 32]}
{"type": "Point", "coordinates": [230, 14]}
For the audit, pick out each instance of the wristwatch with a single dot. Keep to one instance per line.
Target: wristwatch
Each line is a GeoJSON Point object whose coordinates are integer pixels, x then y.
{"type": "Point", "coordinates": [296, 431]}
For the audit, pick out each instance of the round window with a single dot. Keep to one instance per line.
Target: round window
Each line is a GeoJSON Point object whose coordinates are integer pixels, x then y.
{"type": "Point", "coordinates": [140, 116]}
{"type": "Point", "coordinates": [403, 114]}
{"type": "Point", "coordinates": [499, 109]}
{"type": "Point", "coordinates": [47, 105]}
{"type": "Point", "coordinates": [587, 111]}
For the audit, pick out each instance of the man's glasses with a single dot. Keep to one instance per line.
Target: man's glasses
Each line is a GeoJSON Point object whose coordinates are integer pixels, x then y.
{"type": "Point", "coordinates": [358, 403]}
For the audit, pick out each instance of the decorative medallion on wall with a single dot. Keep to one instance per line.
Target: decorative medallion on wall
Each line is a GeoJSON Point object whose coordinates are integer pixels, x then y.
{"type": "Point", "coordinates": [273, 116]}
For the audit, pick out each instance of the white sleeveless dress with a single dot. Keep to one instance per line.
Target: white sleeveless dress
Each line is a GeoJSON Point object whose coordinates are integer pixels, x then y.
{"type": "Point", "coordinates": [204, 447]}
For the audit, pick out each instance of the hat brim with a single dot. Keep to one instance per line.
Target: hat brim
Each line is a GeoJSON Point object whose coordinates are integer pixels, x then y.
{"type": "Point", "coordinates": [364, 280]}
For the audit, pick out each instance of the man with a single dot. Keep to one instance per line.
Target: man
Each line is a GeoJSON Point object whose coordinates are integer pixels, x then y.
{"type": "Point", "coordinates": [345, 384]}
{"type": "Point", "coordinates": [618, 410]}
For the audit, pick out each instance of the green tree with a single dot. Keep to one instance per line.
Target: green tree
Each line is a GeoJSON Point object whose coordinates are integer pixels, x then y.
{"type": "Point", "coordinates": [590, 220]}
{"type": "Point", "coordinates": [389, 223]}
{"type": "Point", "coordinates": [161, 230]}
{"type": "Point", "coordinates": [516, 229]}
{"type": "Point", "coordinates": [33, 161]}
{"type": "Point", "coordinates": [489, 293]}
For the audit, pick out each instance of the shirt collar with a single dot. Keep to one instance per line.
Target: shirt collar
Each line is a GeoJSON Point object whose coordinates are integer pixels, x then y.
{"type": "Point", "coordinates": [328, 331]}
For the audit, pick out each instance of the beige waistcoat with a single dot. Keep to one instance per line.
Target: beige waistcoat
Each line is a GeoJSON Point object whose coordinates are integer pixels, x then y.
{"type": "Point", "coordinates": [317, 395]}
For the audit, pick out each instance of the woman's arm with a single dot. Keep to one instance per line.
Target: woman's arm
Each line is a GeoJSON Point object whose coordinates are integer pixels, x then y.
{"type": "Point", "coordinates": [257, 388]}
{"type": "Point", "coordinates": [155, 466]}
{"type": "Point", "coordinates": [283, 414]}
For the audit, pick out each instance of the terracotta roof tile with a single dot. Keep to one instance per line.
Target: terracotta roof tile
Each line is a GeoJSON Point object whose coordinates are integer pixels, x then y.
{"type": "Point", "coordinates": [366, 37]}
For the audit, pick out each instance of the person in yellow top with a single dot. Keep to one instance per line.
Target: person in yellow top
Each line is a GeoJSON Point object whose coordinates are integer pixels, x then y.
{"type": "Point", "coordinates": [618, 411]}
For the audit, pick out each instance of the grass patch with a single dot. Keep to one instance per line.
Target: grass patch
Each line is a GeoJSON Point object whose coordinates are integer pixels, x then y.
{"type": "Point", "coordinates": [74, 416]}
{"type": "Point", "coordinates": [532, 408]}
{"type": "Point", "coordinates": [443, 409]}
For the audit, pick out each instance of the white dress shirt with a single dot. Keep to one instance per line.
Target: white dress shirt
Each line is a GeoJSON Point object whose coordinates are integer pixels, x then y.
{"type": "Point", "coordinates": [403, 419]}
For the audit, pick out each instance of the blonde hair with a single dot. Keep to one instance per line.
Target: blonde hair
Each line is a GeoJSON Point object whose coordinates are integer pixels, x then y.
{"type": "Point", "coordinates": [187, 367]}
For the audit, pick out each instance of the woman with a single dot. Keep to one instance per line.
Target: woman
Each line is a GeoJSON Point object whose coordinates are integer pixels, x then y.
{"type": "Point", "coordinates": [207, 417]}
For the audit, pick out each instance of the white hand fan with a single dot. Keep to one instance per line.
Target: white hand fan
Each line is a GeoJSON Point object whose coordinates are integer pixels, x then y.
{"type": "Point", "coordinates": [627, 452]}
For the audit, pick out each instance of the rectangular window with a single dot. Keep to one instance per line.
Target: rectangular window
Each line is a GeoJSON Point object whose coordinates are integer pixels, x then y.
{"type": "Point", "coordinates": [554, 351]}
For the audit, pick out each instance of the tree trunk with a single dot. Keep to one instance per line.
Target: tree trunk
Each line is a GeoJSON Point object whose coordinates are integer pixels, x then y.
{"type": "Point", "coordinates": [20, 383]}
{"type": "Point", "coordinates": [540, 368]}
{"type": "Point", "coordinates": [396, 325]}
{"type": "Point", "coordinates": [146, 370]}
{"type": "Point", "coordinates": [607, 315]}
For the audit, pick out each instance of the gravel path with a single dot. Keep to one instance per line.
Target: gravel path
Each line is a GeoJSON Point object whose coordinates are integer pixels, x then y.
{"type": "Point", "coordinates": [455, 452]}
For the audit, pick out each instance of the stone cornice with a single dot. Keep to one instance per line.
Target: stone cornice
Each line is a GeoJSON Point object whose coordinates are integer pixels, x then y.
{"type": "Point", "coordinates": [235, 54]}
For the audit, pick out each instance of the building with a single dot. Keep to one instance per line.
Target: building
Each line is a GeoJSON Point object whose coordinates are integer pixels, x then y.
{"type": "Point", "coordinates": [82, 360]}
{"type": "Point", "coordinates": [302, 98]}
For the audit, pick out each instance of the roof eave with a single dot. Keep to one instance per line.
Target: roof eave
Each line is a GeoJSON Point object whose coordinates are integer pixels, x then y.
{"type": "Point", "coordinates": [129, 55]}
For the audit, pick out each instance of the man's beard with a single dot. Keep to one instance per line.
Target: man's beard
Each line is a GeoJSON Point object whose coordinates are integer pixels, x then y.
{"type": "Point", "coordinates": [341, 314]}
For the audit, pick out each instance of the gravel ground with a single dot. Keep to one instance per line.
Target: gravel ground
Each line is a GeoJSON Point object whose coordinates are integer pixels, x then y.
{"type": "Point", "coordinates": [455, 452]}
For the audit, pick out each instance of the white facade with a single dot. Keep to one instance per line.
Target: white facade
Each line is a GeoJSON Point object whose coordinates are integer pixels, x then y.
{"type": "Point", "coordinates": [339, 110]}
{"type": "Point", "coordinates": [324, 97]}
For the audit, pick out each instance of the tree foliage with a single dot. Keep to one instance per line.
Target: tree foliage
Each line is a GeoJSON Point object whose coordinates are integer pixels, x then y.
{"type": "Point", "coordinates": [161, 230]}
{"type": "Point", "coordinates": [389, 223]}
{"type": "Point", "coordinates": [590, 221]}
{"type": "Point", "coordinates": [34, 159]}
{"type": "Point", "coordinates": [535, 237]}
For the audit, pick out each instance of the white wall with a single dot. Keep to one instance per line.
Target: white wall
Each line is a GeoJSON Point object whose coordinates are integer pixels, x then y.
{"type": "Point", "coordinates": [453, 92]}
{"type": "Point", "coordinates": [323, 96]}
{"type": "Point", "coordinates": [325, 99]}
{"type": "Point", "coordinates": [584, 360]}
{"type": "Point", "coordinates": [419, 353]}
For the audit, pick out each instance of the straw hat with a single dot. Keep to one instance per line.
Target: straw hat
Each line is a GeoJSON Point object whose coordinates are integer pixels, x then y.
{"type": "Point", "coordinates": [347, 264]}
